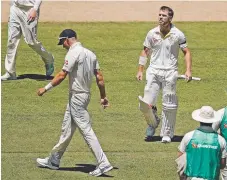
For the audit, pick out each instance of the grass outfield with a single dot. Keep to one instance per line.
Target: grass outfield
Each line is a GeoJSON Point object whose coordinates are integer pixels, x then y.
{"type": "Point", "coordinates": [31, 124]}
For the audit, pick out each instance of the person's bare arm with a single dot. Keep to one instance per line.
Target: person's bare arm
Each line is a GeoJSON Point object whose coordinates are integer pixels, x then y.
{"type": "Point", "coordinates": [100, 83]}
{"type": "Point", "coordinates": [142, 62]}
{"type": "Point", "coordinates": [179, 154]}
{"type": "Point", "coordinates": [223, 163]}
{"type": "Point", "coordinates": [188, 63]}
{"type": "Point", "coordinates": [56, 81]}
{"type": "Point", "coordinates": [34, 11]}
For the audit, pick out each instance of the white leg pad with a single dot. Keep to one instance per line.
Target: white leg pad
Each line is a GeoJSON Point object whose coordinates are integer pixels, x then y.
{"type": "Point", "coordinates": [169, 113]}
{"type": "Point", "coordinates": [149, 113]}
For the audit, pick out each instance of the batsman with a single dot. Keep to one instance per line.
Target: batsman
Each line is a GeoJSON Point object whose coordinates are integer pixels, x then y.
{"type": "Point", "coordinates": [162, 46]}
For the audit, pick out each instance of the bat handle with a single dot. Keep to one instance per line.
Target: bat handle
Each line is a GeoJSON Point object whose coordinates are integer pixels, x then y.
{"type": "Point", "coordinates": [193, 78]}
{"type": "Point", "coordinates": [196, 78]}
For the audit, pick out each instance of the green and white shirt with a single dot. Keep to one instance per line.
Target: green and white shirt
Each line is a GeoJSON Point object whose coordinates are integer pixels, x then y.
{"type": "Point", "coordinates": [203, 142]}
{"type": "Point", "coordinates": [222, 123]}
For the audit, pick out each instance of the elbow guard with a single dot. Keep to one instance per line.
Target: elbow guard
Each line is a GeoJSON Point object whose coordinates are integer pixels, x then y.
{"type": "Point", "coordinates": [142, 60]}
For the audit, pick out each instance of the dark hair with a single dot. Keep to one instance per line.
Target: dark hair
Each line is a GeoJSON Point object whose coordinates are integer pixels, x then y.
{"type": "Point", "coordinates": [205, 124]}
{"type": "Point", "coordinates": [170, 13]}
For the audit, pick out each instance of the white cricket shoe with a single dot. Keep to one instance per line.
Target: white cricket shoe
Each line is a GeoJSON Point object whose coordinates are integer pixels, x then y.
{"type": "Point", "coordinates": [46, 163]}
{"type": "Point", "coordinates": [166, 139]}
{"type": "Point", "coordinates": [8, 76]}
{"type": "Point", "coordinates": [99, 171]}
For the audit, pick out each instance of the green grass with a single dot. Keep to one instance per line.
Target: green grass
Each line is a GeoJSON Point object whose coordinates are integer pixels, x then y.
{"type": "Point", "coordinates": [31, 124]}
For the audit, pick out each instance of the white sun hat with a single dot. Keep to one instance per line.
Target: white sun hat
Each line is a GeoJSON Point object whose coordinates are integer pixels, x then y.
{"type": "Point", "coordinates": [206, 115]}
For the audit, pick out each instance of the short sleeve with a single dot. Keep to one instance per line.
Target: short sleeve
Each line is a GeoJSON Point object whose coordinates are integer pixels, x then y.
{"type": "Point", "coordinates": [222, 143]}
{"type": "Point", "coordinates": [70, 60]}
{"type": "Point", "coordinates": [217, 124]}
{"type": "Point", "coordinates": [182, 40]}
{"type": "Point", "coordinates": [96, 65]}
{"type": "Point", "coordinates": [148, 40]}
{"type": "Point", "coordinates": [186, 139]}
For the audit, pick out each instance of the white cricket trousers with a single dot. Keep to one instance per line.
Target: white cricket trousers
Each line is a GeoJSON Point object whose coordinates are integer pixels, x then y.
{"type": "Point", "coordinates": [18, 25]}
{"type": "Point", "coordinates": [76, 115]}
{"type": "Point", "coordinates": [166, 80]}
{"type": "Point", "coordinates": [223, 173]}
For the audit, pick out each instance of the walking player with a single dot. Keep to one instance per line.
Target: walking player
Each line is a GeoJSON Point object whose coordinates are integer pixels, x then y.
{"type": "Point", "coordinates": [204, 149]}
{"type": "Point", "coordinates": [162, 45]}
{"type": "Point", "coordinates": [23, 19]}
{"type": "Point", "coordinates": [81, 64]}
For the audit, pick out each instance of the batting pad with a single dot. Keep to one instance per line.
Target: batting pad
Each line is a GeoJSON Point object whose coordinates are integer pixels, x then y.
{"type": "Point", "coordinates": [170, 101]}
{"type": "Point", "coordinates": [148, 113]}
{"type": "Point", "coordinates": [169, 111]}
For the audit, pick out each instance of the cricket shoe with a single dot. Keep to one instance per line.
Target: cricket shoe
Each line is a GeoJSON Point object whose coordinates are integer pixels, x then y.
{"type": "Point", "coordinates": [49, 69]}
{"type": "Point", "coordinates": [99, 171]}
{"type": "Point", "coordinates": [9, 76]}
{"type": "Point", "coordinates": [166, 139]}
{"type": "Point", "coordinates": [46, 163]}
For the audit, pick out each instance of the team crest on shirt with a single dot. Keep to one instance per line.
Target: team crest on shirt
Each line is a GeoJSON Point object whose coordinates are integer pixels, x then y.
{"type": "Point", "coordinates": [156, 40]}
{"type": "Point", "coordinates": [194, 145]}
{"type": "Point", "coordinates": [66, 62]}
{"type": "Point", "coordinates": [172, 39]}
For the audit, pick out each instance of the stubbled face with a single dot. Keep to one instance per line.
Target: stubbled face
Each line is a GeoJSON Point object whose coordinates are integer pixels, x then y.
{"type": "Point", "coordinates": [163, 18]}
{"type": "Point", "coordinates": [66, 44]}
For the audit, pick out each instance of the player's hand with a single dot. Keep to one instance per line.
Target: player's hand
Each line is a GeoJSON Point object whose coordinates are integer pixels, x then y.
{"type": "Point", "coordinates": [139, 76]}
{"type": "Point", "coordinates": [32, 15]}
{"type": "Point", "coordinates": [188, 76]}
{"type": "Point", "coordinates": [41, 91]}
{"type": "Point", "coordinates": [104, 103]}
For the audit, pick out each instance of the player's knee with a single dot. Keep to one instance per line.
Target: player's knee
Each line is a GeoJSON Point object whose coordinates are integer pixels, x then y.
{"type": "Point", "coordinates": [30, 44]}
{"type": "Point", "coordinates": [11, 45]}
{"type": "Point", "coordinates": [170, 101]}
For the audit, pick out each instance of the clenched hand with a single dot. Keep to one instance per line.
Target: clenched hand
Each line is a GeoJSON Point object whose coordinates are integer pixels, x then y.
{"type": "Point", "coordinates": [41, 91]}
{"type": "Point", "coordinates": [32, 15]}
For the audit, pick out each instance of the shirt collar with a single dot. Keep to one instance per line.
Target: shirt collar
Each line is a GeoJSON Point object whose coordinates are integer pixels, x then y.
{"type": "Point", "coordinates": [167, 35]}
{"type": "Point", "coordinates": [206, 129]}
{"type": "Point", "coordinates": [75, 44]}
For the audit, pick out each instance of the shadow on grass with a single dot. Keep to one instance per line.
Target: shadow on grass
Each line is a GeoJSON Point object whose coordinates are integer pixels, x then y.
{"type": "Point", "coordinates": [158, 138]}
{"type": "Point", "coordinates": [38, 77]}
{"type": "Point", "coordinates": [85, 168]}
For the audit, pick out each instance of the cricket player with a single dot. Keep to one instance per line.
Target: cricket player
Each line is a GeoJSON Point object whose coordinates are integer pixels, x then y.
{"type": "Point", "coordinates": [204, 148]}
{"type": "Point", "coordinates": [162, 45]}
{"type": "Point", "coordinates": [23, 20]}
{"type": "Point", "coordinates": [221, 124]}
{"type": "Point", "coordinates": [81, 64]}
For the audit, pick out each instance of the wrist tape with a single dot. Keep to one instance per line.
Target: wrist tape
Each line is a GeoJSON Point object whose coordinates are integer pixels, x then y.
{"type": "Point", "coordinates": [142, 60]}
{"type": "Point", "coordinates": [48, 87]}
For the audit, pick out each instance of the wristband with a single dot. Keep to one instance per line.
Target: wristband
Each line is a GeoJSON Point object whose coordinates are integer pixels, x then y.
{"type": "Point", "coordinates": [48, 87]}
{"type": "Point", "coordinates": [142, 60]}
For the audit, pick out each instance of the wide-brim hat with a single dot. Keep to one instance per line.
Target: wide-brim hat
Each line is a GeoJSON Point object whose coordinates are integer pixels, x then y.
{"type": "Point", "coordinates": [206, 114]}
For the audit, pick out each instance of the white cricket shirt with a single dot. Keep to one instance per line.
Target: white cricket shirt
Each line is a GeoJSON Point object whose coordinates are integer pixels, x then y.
{"type": "Point", "coordinates": [28, 3]}
{"type": "Point", "coordinates": [165, 50]}
{"type": "Point", "coordinates": [80, 63]}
